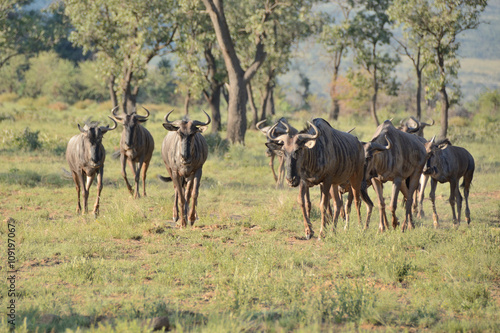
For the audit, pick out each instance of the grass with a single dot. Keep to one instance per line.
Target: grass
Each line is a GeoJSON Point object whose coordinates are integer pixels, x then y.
{"type": "Point", "coordinates": [245, 265]}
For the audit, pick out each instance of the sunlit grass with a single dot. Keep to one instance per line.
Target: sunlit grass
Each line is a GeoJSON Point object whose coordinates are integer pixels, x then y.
{"type": "Point", "coordinates": [245, 265]}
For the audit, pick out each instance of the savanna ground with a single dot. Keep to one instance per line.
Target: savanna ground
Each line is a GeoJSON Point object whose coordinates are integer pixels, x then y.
{"type": "Point", "coordinates": [245, 265]}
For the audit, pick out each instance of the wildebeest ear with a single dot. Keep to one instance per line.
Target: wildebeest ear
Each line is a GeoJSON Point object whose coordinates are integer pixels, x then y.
{"type": "Point", "coordinates": [274, 146]}
{"type": "Point", "coordinates": [202, 128]}
{"type": "Point", "coordinates": [170, 127]}
{"type": "Point", "coordinates": [310, 144]}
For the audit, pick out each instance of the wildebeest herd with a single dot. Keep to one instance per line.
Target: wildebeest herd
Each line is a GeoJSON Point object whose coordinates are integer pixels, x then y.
{"type": "Point", "coordinates": [317, 155]}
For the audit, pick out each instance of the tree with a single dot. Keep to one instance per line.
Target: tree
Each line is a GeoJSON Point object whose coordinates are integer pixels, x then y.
{"type": "Point", "coordinates": [256, 18]}
{"type": "Point", "coordinates": [369, 34]}
{"type": "Point", "coordinates": [440, 22]}
{"type": "Point", "coordinates": [125, 36]}
{"type": "Point", "coordinates": [336, 40]}
{"type": "Point", "coordinates": [21, 30]}
{"type": "Point", "coordinates": [200, 65]}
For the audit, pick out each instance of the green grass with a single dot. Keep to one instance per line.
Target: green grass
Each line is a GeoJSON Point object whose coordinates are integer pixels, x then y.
{"type": "Point", "coordinates": [245, 265]}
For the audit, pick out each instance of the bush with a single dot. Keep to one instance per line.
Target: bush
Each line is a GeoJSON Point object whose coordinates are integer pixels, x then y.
{"type": "Point", "coordinates": [28, 140]}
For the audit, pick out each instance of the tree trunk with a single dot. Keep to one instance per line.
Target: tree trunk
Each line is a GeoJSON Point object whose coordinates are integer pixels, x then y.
{"type": "Point", "coordinates": [238, 78]}
{"type": "Point", "coordinates": [270, 103]}
{"type": "Point", "coordinates": [265, 101]}
{"type": "Point", "coordinates": [112, 92]}
{"type": "Point", "coordinates": [444, 112]}
{"type": "Point", "coordinates": [373, 108]}
{"type": "Point", "coordinates": [214, 103]}
{"type": "Point", "coordinates": [334, 113]}
{"type": "Point", "coordinates": [253, 108]}
{"type": "Point", "coordinates": [187, 100]}
{"type": "Point", "coordinates": [419, 94]}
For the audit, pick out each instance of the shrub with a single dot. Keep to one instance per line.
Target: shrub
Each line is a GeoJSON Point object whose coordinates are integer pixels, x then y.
{"type": "Point", "coordinates": [28, 140]}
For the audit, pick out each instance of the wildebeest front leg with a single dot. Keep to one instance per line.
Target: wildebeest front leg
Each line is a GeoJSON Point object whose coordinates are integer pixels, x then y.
{"type": "Point", "coordinates": [396, 187]}
{"type": "Point", "coordinates": [423, 183]}
{"type": "Point", "coordinates": [281, 172]}
{"type": "Point", "coordinates": [76, 179]}
{"type": "Point", "coordinates": [271, 165]}
{"type": "Point", "coordinates": [90, 179]}
{"type": "Point", "coordinates": [179, 194]}
{"type": "Point", "coordinates": [144, 170]}
{"type": "Point", "coordinates": [409, 203]}
{"type": "Point", "coordinates": [432, 196]}
{"type": "Point", "coordinates": [99, 189]}
{"type": "Point", "coordinates": [379, 190]}
{"type": "Point", "coordinates": [136, 171]}
{"type": "Point", "coordinates": [337, 206]}
{"type": "Point", "coordinates": [195, 190]}
{"type": "Point", "coordinates": [303, 194]}
{"type": "Point", "coordinates": [123, 161]}
{"type": "Point", "coordinates": [325, 198]}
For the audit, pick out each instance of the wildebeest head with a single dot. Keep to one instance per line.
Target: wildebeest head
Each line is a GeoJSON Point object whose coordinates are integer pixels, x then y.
{"type": "Point", "coordinates": [280, 129]}
{"type": "Point", "coordinates": [434, 150]}
{"type": "Point", "coordinates": [186, 130]}
{"type": "Point", "coordinates": [93, 134]}
{"type": "Point", "coordinates": [413, 125]}
{"type": "Point", "coordinates": [130, 123]}
{"type": "Point", "coordinates": [291, 145]}
{"type": "Point", "coordinates": [371, 149]}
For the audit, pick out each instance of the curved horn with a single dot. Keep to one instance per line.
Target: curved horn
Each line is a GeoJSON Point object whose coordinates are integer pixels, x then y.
{"type": "Point", "coordinates": [433, 139]}
{"type": "Point", "coordinates": [199, 123]}
{"type": "Point", "coordinates": [114, 114]}
{"type": "Point", "coordinates": [378, 146]}
{"type": "Point", "coordinates": [107, 128]}
{"type": "Point", "coordinates": [257, 126]}
{"type": "Point", "coordinates": [413, 129]}
{"type": "Point", "coordinates": [270, 132]}
{"type": "Point", "coordinates": [425, 124]}
{"type": "Point", "coordinates": [306, 136]}
{"type": "Point", "coordinates": [142, 117]}
{"type": "Point", "coordinates": [81, 129]}
{"type": "Point", "coordinates": [352, 129]}
{"type": "Point", "coordinates": [287, 131]}
{"type": "Point", "coordinates": [166, 117]}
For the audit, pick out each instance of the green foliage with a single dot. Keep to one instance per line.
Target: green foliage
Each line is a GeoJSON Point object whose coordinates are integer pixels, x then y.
{"type": "Point", "coordinates": [159, 86]}
{"type": "Point", "coordinates": [28, 140]}
{"type": "Point", "coordinates": [49, 75]}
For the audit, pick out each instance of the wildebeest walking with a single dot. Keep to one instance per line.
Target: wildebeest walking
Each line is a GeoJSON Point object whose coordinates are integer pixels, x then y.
{"type": "Point", "coordinates": [184, 151]}
{"type": "Point", "coordinates": [393, 155]}
{"type": "Point", "coordinates": [136, 148]}
{"type": "Point", "coordinates": [322, 156]}
{"type": "Point", "coordinates": [280, 129]}
{"type": "Point", "coordinates": [447, 164]}
{"type": "Point", "coordinates": [85, 155]}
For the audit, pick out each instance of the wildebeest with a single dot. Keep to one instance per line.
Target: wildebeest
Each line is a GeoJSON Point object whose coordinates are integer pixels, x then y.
{"type": "Point", "coordinates": [393, 155]}
{"type": "Point", "coordinates": [447, 164]}
{"type": "Point", "coordinates": [85, 155]}
{"type": "Point", "coordinates": [280, 129]}
{"type": "Point", "coordinates": [184, 151]}
{"type": "Point", "coordinates": [321, 156]}
{"type": "Point", "coordinates": [412, 125]}
{"type": "Point", "coordinates": [136, 148]}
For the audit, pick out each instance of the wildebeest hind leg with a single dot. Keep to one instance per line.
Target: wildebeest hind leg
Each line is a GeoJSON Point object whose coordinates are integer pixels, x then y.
{"type": "Point", "coordinates": [123, 161]}
{"type": "Point", "coordinates": [144, 170]}
{"type": "Point", "coordinates": [396, 187]}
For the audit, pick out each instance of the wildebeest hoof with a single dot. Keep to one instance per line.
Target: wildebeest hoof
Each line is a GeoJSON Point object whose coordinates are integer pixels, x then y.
{"type": "Point", "coordinates": [309, 236]}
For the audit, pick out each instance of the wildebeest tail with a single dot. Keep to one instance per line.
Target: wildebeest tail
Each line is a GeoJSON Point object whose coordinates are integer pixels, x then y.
{"type": "Point", "coordinates": [364, 193]}
{"type": "Point", "coordinates": [164, 179]}
{"type": "Point", "coordinates": [66, 174]}
{"type": "Point", "coordinates": [116, 154]}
